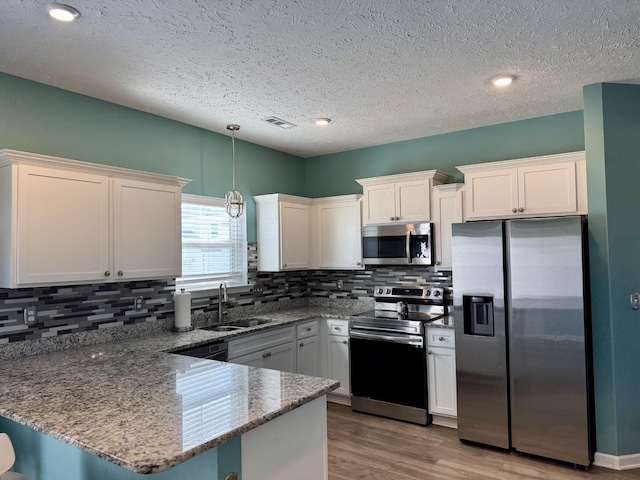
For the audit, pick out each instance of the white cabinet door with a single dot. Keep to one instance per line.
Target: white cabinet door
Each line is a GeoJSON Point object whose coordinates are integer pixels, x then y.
{"type": "Point", "coordinates": [412, 199]}
{"type": "Point", "coordinates": [447, 209]}
{"type": "Point", "coordinates": [338, 362]}
{"type": "Point", "coordinates": [492, 193]}
{"type": "Point", "coordinates": [441, 363]}
{"type": "Point", "coordinates": [146, 230]}
{"type": "Point", "coordinates": [547, 189]}
{"type": "Point", "coordinates": [63, 226]}
{"type": "Point", "coordinates": [282, 358]}
{"type": "Point", "coordinates": [339, 235]}
{"type": "Point", "coordinates": [379, 203]}
{"type": "Point", "coordinates": [308, 362]}
{"type": "Point", "coordinates": [252, 360]}
{"type": "Point", "coordinates": [294, 236]}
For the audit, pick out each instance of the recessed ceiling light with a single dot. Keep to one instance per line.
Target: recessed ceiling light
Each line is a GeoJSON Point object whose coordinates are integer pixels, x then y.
{"type": "Point", "coordinates": [503, 80]}
{"type": "Point", "coordinates": [61, 12]}
{"type": "Point", "coordinates": [323, 121]}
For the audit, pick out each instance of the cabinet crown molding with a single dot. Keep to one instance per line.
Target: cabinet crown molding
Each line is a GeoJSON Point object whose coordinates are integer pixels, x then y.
{"type": "Point", "coordinates": [522, 162]}
{"type": "Point", "coordinates": [337, 199]}
{"type": "Point", "coordinates": [436, 175]}
{"type": "Point", "coordinates": [282, 197]}
{"type": "Point", "coordinates": [16, 157]}
{"type": "Point", "coordinates": [448, 187]}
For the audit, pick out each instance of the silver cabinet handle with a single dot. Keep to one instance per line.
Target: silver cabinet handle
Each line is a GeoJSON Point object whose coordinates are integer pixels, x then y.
{"type": "Point", "coordinates": [345, 342]}
{"type": "Point", "coordinates": [514, 210]}
{"type": "Point", "coordinates": [521, 209]}
{"type": "Point", "coordinates": [284, 265]}
{"type": "Point", "coordinates": [359, 264]}
{"type": "Point", "coordinates": [266, 355]}
{"type": "Point", "coordinates": [107, 273]}
{"type": "Point", "coordinates": [120, 273]}
{"type": "Point", "coordinates": [441, 339]}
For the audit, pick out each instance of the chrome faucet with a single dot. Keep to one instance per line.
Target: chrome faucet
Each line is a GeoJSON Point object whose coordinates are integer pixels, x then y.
{"type": "Point", "coordinates": [222, 297]}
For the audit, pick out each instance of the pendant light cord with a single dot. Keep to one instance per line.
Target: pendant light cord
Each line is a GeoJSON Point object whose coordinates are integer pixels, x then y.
{"type": "Point", "coordinates": [233, 159]}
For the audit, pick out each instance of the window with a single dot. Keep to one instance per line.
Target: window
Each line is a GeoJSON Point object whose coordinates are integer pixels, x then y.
{"type": "Point", "coordinates": [214, 245]}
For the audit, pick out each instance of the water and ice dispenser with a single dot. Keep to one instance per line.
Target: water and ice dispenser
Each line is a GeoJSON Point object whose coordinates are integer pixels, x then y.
{"type": "Point", "coordinates": [478, 315]}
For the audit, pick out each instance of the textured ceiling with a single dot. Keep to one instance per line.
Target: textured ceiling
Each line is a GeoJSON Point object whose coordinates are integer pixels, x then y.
{"type": "Point", "coordinates": [383, 70]}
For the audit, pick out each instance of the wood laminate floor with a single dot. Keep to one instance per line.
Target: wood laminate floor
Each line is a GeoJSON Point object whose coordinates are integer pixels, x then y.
{"type": "Point", "coordinates": [368, 447]}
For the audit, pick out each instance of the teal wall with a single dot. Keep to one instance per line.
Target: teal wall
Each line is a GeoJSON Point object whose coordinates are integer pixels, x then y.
{"type": "Point", "coordinates": [45, 458]}
{"type": "Point", "coordinates": [42, 119]}
{"type": "Point", "coordinates": [335, 174]}
{"type": "Point", "coordinates": [612, 134]}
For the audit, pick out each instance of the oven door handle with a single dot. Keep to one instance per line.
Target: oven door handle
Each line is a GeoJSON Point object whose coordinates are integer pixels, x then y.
{"type": "Point", "coordinates": [409, 247]}
{"type": "Point", "coordinates": [403, 339]}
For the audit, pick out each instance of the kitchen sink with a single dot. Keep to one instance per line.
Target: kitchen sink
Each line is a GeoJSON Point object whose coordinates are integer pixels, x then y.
{"type": "Point", "coordinates": [237, 325]}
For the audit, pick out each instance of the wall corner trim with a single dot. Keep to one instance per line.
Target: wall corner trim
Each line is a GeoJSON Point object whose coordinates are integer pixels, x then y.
{"type": "Point", "coordinates": [617, 462]}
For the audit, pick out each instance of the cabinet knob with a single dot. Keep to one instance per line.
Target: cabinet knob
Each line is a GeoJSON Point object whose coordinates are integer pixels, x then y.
{"type": "Point", "coordinates": [266, 355]}
{"type": "Point", "coordinates": [345, 342]}
{"type": "Point", "coordinates": [120, 273]}
{"type": "Point", "coordinates": [441, 339]}
{"type": "Point", "coordinates": [429, 352]}
{"type": "Point", "coordinates": [107, 273]}
{"type": "Point", "coordinates": [359, 264]}
{"type": "Point", "coordinates": [308, 329]}
{"type": "Point", "coordinates": [391, 218]}
{"type": "Point", "coordinates": [301, 344]}
{"type": "Point", "coordinates": [521, 209]}
{"type": "Point", "coordinates": [284, 265]}
{"type": "Point", "coordinates": [514, 210]}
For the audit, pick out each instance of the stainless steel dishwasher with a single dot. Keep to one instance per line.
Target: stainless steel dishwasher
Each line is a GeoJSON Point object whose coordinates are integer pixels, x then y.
{"type": "Point", "coordinates": [210, 351]}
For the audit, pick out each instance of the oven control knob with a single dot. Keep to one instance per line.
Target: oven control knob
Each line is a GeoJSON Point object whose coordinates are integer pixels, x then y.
{"type": "Point", "coordinates": [379, 291]}
{"type": "Point", "coordinates": [428, 293]}
{"type": "Point", "coordinates": [387, 291]}
{"type": "Point", "coordinates": [436, 293]}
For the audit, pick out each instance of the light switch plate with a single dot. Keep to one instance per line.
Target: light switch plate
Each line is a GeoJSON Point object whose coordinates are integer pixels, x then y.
{"type": "Point", "coordinates": [635, 300]}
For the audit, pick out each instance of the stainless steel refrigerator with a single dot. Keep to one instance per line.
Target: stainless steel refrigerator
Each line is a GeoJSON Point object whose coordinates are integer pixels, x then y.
{"type": "Point", "coordinates": [522, 336]}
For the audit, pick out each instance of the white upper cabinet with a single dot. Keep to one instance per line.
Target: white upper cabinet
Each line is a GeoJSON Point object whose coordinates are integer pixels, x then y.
{"type": "Point", "coordinates": [537, 186]}
{"type": "Point", "coordinates": [146, 230]}
{"type": "Point", "coordinates": [335, 232]}
{"type": "Point", "coordinates": [283, 224]}
{"type": "Point", "coordinates": [447, 209]}
{"type": "Point", "coordinates": [70, 222]}
{"type": "Point", "coordinates": [402, 198]}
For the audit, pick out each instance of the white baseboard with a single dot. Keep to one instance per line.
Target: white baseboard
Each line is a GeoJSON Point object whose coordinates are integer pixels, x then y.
{"type": "Point", "coordinates": [617, 462]}
{"type": "Point", "coordinates": [451, 422]}
{"type": "Point", "coordinates": [341, 399]}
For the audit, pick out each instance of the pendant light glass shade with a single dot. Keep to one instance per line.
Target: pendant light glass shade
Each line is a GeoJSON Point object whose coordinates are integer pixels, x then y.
{"type": "Point", "coordinates": [233, 200]}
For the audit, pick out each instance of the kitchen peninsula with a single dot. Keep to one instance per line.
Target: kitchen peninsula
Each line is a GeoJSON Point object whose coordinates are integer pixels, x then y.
{"type": "Point", "coordinates": [125, 408]}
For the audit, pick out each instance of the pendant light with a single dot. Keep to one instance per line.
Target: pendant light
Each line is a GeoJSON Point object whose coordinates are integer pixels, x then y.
{"type": "Point", "coordinates": [233, 199]}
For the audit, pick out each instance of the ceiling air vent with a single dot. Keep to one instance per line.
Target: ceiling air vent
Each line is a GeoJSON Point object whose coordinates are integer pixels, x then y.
{"type": "Point", "coordinates": [278, 122]}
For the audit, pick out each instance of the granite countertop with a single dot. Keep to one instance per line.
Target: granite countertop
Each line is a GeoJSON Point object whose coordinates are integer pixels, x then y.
{"type": "Point", "coordinates": [126, 401]}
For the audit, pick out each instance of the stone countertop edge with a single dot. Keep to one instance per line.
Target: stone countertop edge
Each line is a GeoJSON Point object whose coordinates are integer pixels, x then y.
{"type": "Point", "coordinates": [149, 467]}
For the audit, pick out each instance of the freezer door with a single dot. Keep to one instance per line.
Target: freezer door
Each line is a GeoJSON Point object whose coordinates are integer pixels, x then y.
{"type": "Point", "coordinates": [548, 355]}
{"type": "Point", "coordinates": [481, 350]}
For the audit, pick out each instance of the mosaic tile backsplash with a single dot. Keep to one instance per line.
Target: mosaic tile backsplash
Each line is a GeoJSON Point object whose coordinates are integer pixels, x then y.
{"type": "Point", "coordinates": [83, 308]}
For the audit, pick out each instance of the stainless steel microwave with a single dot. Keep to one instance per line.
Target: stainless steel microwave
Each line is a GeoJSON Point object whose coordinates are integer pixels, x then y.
{"type": "Point", "coordinates": [397, 244]}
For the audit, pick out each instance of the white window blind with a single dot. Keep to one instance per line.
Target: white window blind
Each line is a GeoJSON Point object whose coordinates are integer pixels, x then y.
{"type": "Point", "coordinates": [214, 245]}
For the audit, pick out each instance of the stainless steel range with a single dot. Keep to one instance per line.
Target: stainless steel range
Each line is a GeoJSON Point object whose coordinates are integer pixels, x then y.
{"type": "Point", "coordinates": [388, 352]}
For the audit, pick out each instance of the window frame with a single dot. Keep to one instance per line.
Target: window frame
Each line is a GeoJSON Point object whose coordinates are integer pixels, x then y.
{"type": "Point", "coordinates": [210, 287]}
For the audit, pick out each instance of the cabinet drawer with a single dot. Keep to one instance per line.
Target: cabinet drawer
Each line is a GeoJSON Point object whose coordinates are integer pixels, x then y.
{"type": "Point", "coordinates": [307, 329]}
{"type": "Point", "coordinates": [441, 337]}
{"type": "Point", "coordinates": [338, 327]}
{"type": "Point", "coordinates": [260, 341]}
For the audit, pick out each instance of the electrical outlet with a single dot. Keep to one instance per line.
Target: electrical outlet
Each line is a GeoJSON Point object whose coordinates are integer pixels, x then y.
{"type": "Point", "coordinates": [138, 303]}
{"type": "Point", "coordinates": [31, 315]}
{"type": "Point", "coordinates": [286, 286]}
{"type": "Point", "coordinates": [340, 284]}
{"type": "Point", "coordinates": [258, 290]}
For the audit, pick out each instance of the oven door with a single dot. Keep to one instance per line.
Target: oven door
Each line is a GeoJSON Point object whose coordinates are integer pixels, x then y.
{"type": "Point", "coordinates": [389, 367]}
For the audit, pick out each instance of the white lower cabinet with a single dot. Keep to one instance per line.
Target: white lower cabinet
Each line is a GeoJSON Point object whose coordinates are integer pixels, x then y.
{"type": "Point", "coordinates": [307, 348]}
{"type": "Point", "coordinates": [441, 365]}
{"type": "Point", "coordinates": [274, 349]}
{"type": "Point", "coordinates": [338, 355]}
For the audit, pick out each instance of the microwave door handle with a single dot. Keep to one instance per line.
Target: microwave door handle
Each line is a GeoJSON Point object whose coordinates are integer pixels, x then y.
{"type": "Point", "coordinates": [409, 247]}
